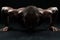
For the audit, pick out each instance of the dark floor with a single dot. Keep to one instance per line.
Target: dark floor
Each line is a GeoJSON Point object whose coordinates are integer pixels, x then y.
{"type": "Point", "coordinates": [38, 35]}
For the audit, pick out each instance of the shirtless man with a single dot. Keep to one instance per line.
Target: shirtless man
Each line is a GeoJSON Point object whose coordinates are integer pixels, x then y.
{"type": "Point", "coordinates": [31, 15]}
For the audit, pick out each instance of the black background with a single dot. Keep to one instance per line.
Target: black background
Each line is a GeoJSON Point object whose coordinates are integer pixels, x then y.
{"type": "Point", "coordinates": [45, 35]}
{"type": "Point", "coordinates": [38, 3]}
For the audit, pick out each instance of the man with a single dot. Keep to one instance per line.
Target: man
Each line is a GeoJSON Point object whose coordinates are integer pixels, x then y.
{"type": "Point", "coordinates": [30, 16]}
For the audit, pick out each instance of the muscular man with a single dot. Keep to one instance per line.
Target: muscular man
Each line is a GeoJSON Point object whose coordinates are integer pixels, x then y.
{"type": "Point", "coordinates": [31, 16]}
{"type": "Point", "coordinates": [52, 14]}
{"type": "Point", "coordinates": [6, 12]}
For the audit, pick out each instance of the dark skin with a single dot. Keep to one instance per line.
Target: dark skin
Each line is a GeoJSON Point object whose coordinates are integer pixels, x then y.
{"type": "Point", "coordinates": [45, 13]}
{"type": "Point", "coordinates": [52, 18]}
{"type": "Point", "coordinates": [6, 15]}
{"type": "Point", "coordinates": [9, 12]}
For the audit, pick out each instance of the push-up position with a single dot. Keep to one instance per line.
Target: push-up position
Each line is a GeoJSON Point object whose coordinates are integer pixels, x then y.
{"type": "Point", "coordinates": [9, 12]}
{"type": "Point", "coordinates": [31, 16]}
{"type": "Point", "coordinates": [52, 14]}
